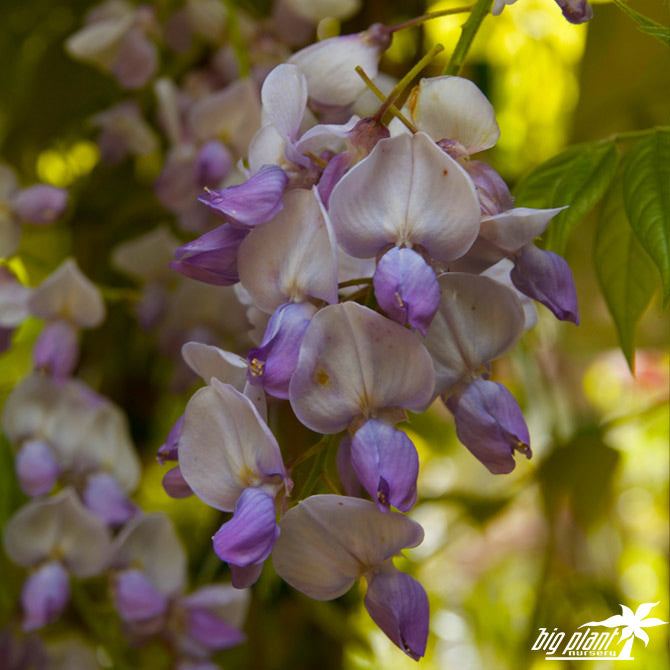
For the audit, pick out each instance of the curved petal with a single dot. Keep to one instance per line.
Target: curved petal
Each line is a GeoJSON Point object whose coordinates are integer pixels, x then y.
{"type": "Point", "coordinates": [104, 497]}
{"type": "Point", "coordinates": [36, 467]}
{"type": "Point", "coordinates": [478, 320]}
{"type": "Point", "coordinates": [58, 526]}
{"type": "Point", "coordinates": [273, 363]}
{"type": "Point", "coordinates": [249, 204]}
{"type": "Point", "coordinates": [175, 485]}
{"type": "Point", "coordinates": [354, 361]}
{"type": "Point", "coordinates": [387, 464]}
{"type": "Point", "coordinates": [249, 536]}
{"type": "Point", "coordinates": [406, 288]}
{"type": "Point", "coordinates": [328, 541]}
{"type": "Point", "coordinates": [398, 604]}
{"type": "Point", "coordinates": [209, 361]}
{"type": "Point", "coordinates": [40, 203]}
{"type": "Point", "coordinates": [547, 278]}
{"type": "Point", "coordinates": [136, 598]}
{"type": "Point", "coordinates": [284, 98]}
{"type": "Point", "coordinates": [150, 544]}
{"type": "Point", "coordinates": [454, 108]}
{"type": "Point", "coordinates": [45, 595]}
{"type": "Point", "coordinates": [291, 257]}
{"type": "Point", "coordinates": [407, 192]}
{"type": "Point", "coordinates": [515, 228]}
{"type": "Point", "coordinates": [490, 424]}
{"type": "Point", "coordinates": [243, 577]}
{"type": "Point", "coordinates": [225, 447]}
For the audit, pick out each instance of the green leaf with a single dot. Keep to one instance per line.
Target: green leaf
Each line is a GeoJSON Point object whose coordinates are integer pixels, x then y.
{"type": "Point", "coordinates": [577, 177]}
{"type": "Point", "coordinates": [626, 275]}
{"type": "Point", "coordinates": [645, 24]}
{"type": "Point", "coordinates": [646, 195]}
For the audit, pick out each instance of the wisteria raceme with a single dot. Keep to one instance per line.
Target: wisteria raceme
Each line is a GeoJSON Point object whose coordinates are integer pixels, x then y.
{"type": "Point", "coordinates": [359, 270]}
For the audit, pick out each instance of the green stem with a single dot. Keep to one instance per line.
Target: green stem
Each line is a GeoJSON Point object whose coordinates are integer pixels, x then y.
{"type": "Point", "coordinates": [479, 12]}
{"type": "Point", "coordinates": [391, 108]}
{"type": "Point", "coordinates": [355, 282]}
{"type": "Point", "coordinates": [428, 16]}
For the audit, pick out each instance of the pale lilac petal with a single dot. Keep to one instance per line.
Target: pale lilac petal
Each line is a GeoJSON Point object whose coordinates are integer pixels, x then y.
{"type": "Point", "coordinates": [406, 288]}
{"type": "Point", "coordinates": [137, 60]}
{"type": "Point", "coordinates": [345, 470]}
{"type": "Point", "coordinates": [329, 65]}
{"type": "Point", "coordinates": [547, 278]}
{"type": "Point", "coordinates": [57, 349]}
{"type": "Point", "coordinates": [291, 257]}
{"type": "Point", "coordinates": [493, 193]}
{"type": "Point", "coordinates": [326, 137]}
{"type": "Point", "coordinates": [175, 485]}
{"type": "Point", "coordinates": [150, 544]}
{"type": "Point", "coordinates": [40, 203]}
{"type": "Point", "coordinates": [407, 192]}
{"type": "Point", "coordinates": [284, 98]}
{"type": "Point", "coordinates": [387, 465]}
{"type": "Point", "coordinates": [211, 631]}
{"type": "Point", "coordinates": [136, 598]}
{"type": "Point", "coordinates": [500, 271]}
{"type": "Point", "coordinates": [336, 169]}
{"type": "Point", "coordinates": [213, 163]}
{"type": "Point", "coordinates": [67, 293]}
{"type": "Point", "coordinates": [478, 320]}
{"type": "Point", "coordinates": [169, 450]}
{"type": "Point", "coordinates": [58, 525]}
{"type": "Point", "coordinates": [515, 228]}
{"type": "Point", "coordinates": [398, 604]}
{"type": "Point", "coordinates": [212, 258]}
{"type": "Point", "coordinates": [249, 536]}
{"type": "Point", "coordinates": [454, 108]}
{"type": "Point", "coordinates": [45, 595]}
{"type": "Point", "coordinates": [209, 361]}
{"type": "Point", "coordinates": [104, 497]}
{"type": "Point", "coordinates": [576, 11]}
{"type": "Point", "coordinates": [354, 361]}
{"type": "Point", "coordinates": [327, 542]}
{"type": "Point", "coordinates": [242, 577]}
{"type": "Point", "coordinates": [225, 447]}
{"type": "Point", "coordinates": [251, 203]}
{"type": "Point", "coordinates": [273, 363]}
{"type": "Point", "coordinates": [223, 600]}
{"type": "Point", "coordinates": [490, 424]}
{"type": "Point", "coordinates": [36, 467]}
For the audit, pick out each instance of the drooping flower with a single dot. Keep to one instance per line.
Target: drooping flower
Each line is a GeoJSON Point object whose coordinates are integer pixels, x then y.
{"type": "Point", "coordinates": [327, 542]}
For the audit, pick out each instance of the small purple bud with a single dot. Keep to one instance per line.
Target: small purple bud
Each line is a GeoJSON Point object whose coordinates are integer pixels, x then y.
{"type": "Point", "coordinates": [211, 631]}
{"type": "Point", "coordinates": [168, 451]}
{"type": "Point", "coordinates": [104, 497]}
{"type": "Point", "coordinates": [175, 485]}
{"type": "Point", "coordinates": [136, 598]}
{"type": "Point", "coordinates": [212, 164]}
{"type": "Point", "coordinates": [252, 203]}
{"type": "Point", "coordinates": [547, 278]}
{"type": "Point", "coordinates": [242, 577]}
{"type": "Point", "coordinates": [212, 258]}
{"type": "Point", "coordinates": [398, 604]}
{"type": "Point", "coordinates": [57, 349]}
{"type": "Point", "coordinates": [249, 536]}
{"type": "Point", "coordinates": [40, 203]}
{"type": "Point", "coordinates": [37, 468]}
{"type": "Point", "coordinates": [490, 424]}
{"type": "Point", "coordinates": [492, 191]}
{"type": "Point", "coordinates": [406, 288]}
{"type": "Point", "coordinates": [386, 463]}
{"type": "Point", "coordinates": [576, 11]}
{"type": "Point", "coordinates": [273, 363]}
{"type": "Point", "coordinates": [45, 595]}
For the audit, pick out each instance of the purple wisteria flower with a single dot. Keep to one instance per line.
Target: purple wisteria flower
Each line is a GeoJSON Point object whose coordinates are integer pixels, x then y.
{"type": "Point", "coordinates": [328, 542]}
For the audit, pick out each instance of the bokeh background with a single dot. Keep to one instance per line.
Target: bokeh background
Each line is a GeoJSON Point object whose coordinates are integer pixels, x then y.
{"type": "Point", "coordinates": [565, 538]}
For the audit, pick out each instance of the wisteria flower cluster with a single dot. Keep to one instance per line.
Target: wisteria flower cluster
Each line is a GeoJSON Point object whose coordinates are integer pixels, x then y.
{"type": "Point", "coordinates": [351, 267]}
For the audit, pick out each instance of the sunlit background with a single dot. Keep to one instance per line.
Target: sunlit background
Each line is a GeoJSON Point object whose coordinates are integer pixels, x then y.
{"type": "Point", "coordinates": [572, 533]}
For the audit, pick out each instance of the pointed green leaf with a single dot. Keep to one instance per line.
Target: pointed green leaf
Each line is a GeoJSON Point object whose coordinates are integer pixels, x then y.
{"type": "Point", "coordinates": [646, 194]}
{"type": "Point", "coordinates": [625, 272]}
{"type": "Point", "coordinates": [645, 24]}
{"type": "Point", "coordinates": [577, 177]}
